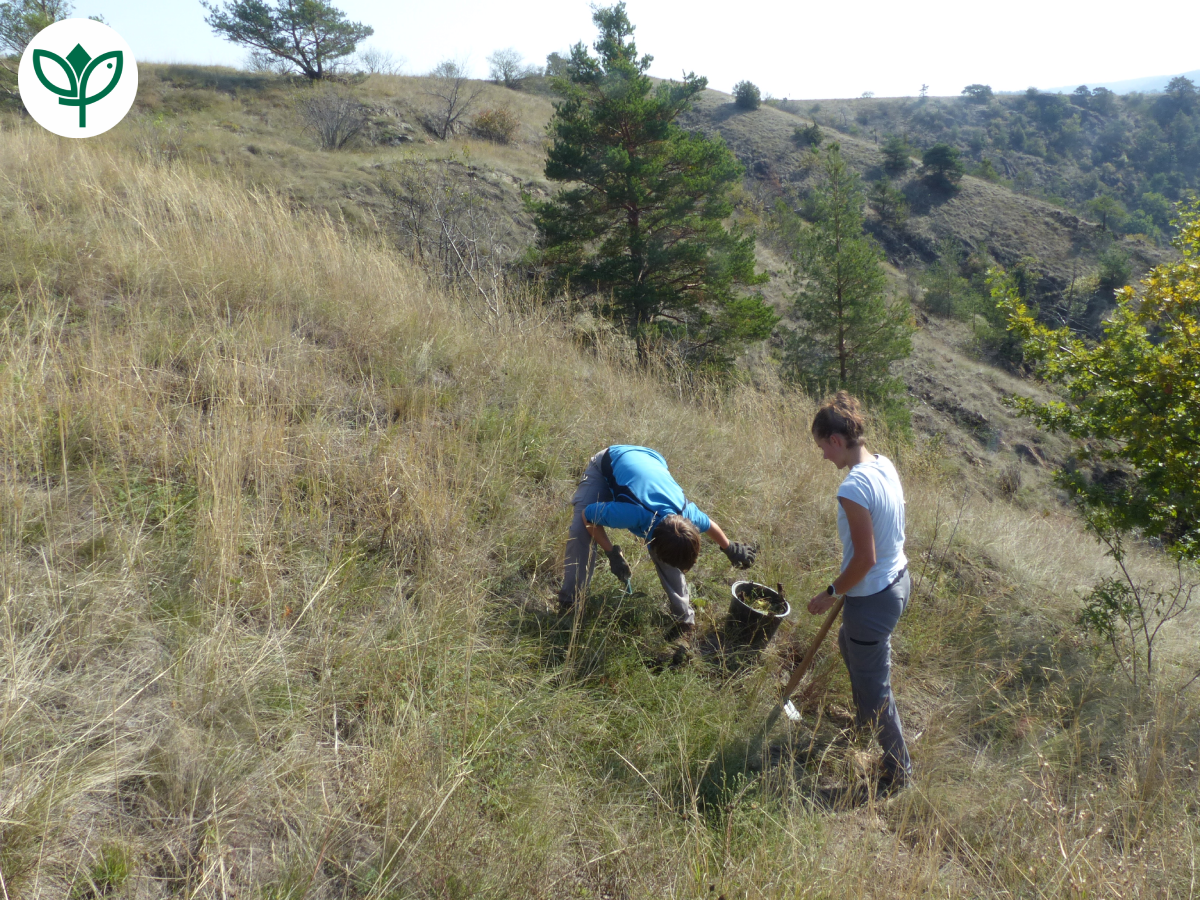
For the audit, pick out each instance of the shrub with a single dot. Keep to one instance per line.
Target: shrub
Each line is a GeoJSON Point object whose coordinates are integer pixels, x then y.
{"type": "Point", "coordinates": [945, 288]}
{"type": "Point", "coordinates": [888, 202]}
{"type": "Point", "coordinates": [978, 93]}
{"type": "Point", "coordinates": [508, 68]}
{"type": "Point", "coordinates": [452, 96]}
{"type": "Point", "coordinates": [499, 125]}
{"type": "Point", "coordinates": [987, 171]}
{"type": "Point", "coordinates": [895, 154]}
{"type": "Point", "coordinates": [334, 116]}
{"type": "Point", "coordinates": [808, 137]}
{"type": "Point", "coordinates": [746, 95]}
{"type": "Point", "coordinates": [374, 61]}
{"type": "Point", "coordinates": [1115, 269]}
{"type": "Point", "coordinates": [941, 165]}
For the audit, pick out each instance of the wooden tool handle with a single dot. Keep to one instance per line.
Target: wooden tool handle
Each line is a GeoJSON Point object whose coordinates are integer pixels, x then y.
{"type": "Point", "coordinates": [812, 651]}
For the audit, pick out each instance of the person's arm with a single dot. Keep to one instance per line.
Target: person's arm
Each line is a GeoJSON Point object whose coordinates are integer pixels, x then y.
{"type": "Point", "coordinates": [862, 537]}
{"type": "Point", "coordinates": [599, 535]}
{"type": "Point", "coordinates": [741, 556]}
{"type": "Point", "coordinates": [716, 535]}
{"type": "Point", "coordinates": [598, 516]}
{"type": "Point", "coordinates": [616, 559]}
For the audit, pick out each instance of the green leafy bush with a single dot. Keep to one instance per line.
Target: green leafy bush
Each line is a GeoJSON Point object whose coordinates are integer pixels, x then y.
{"type": "Point", "coordinates": [808, 137]}
{"type": "Point", "coordinates": [1115, 269]}
{"type": "Point", "coordinates": [746, 95]}
{"type": "Point", "coordinates": [1138, 381]}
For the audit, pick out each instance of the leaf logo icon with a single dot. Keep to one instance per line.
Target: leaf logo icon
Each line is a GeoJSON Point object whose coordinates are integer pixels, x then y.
{"type": "Point", "coordinates": [54, 83]}
{"type": "Point", "coordinates": [79, 67]}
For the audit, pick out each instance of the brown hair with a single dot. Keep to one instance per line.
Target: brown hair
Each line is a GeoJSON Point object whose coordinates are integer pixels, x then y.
{"type": "Point", "coordinates": [839, 414]}
{"type": "Point", "coordinates": [676, 541]}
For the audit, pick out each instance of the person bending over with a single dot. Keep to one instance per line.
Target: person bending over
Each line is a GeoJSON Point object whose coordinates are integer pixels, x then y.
{"type": "Point", "coordinates": [630, 487]}
{"type": "Point", "coordinates": [874, 576]}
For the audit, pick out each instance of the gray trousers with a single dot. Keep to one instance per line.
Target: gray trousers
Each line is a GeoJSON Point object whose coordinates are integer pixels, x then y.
{"type": "Point", "coordinates": [865, 640]}
{"type": "Point", "coordinates": [580, 559]}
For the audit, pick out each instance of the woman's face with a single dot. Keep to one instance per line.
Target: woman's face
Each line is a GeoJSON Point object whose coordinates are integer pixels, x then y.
{"type": "Point", "coordinates": [833, 448]}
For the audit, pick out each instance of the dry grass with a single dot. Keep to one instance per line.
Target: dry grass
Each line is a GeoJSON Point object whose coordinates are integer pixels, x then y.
{"type": "Point", "coordinates": [278, 526]}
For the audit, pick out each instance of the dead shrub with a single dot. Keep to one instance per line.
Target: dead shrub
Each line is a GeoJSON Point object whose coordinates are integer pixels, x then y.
{"type": "Point", "coordinates": [334, 116]}
{"type": "Point", "coordinates": [497, 125]}
{"type": "Point", "coordinates": [1009, 480]}
{"type": "Point", "coordinates": [452, 95]}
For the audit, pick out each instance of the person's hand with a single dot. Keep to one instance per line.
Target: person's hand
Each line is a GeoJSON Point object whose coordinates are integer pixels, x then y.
{"type": "Point", "coordinates": [820, 603]}
{"type": "Point", "coordinates": [616, 562]}
{"type": "Point", "coordinates": [741, 556]}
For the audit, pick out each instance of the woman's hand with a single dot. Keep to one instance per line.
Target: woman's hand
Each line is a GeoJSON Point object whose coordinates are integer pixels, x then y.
{"type": "Point", "coordinates": [820, 603]}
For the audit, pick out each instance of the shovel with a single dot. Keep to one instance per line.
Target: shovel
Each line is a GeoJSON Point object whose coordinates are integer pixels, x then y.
{"type": "Point", "coordinates": [785, 703]}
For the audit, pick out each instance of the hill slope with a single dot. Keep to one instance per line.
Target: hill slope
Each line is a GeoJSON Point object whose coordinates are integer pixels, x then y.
{"type": "Point", "coordinates": [1141, 151]}
{"type": "Point", "coordinates": [248, 126]}
{"type": "Point", "coordinates": [279, 523]}
{"type": "Point", "coordinates": [980, 214]}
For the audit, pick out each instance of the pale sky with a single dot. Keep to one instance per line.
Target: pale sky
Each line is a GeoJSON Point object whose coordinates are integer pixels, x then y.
{"type": "Point", "coordinates": [788, 49]}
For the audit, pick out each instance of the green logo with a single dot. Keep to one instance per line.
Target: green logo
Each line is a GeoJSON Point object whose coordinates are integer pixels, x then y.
{"type": "Point", "coordinates": [79, 67]}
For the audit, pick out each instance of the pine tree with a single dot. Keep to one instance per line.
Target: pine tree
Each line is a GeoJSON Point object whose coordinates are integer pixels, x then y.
{"type": "Point", "coordinates": [888, 202]}
{"type": "Point", "coordinates": [942, 167]}
{"type": "Point", "coordinates": [895, 154]}
{"type": "Point", "coordinates": [847, 335]}
{"type": "Point", "coordinates": [641, 223]}
{"type": "Point", "coordinates": [21, 20]}
{"type": "Point", "coordinates": [311, 35]}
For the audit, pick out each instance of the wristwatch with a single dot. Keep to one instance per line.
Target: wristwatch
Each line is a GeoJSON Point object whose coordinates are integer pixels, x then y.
{"type": "Point", "coordinates": [830, 591]}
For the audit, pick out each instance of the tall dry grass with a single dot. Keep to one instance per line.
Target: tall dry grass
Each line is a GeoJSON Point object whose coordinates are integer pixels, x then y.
{"type": "Point", "coordinates": [279, 526]}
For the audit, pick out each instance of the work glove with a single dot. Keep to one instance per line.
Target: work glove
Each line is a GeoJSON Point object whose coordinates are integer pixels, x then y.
{"type": "Point", "coordinates": [741, 556]}
{"type": "Point", "coordinates": [616, 562]}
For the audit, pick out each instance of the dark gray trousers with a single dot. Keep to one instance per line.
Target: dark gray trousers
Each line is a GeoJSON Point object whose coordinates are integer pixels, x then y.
{"type": "Point", "coordinates": [865, 640]}
{"type": "Point", "coordinates": [580, 558]}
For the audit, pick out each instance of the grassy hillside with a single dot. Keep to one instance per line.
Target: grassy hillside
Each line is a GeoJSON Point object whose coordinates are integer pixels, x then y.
{"type": "Point", "coordinates": [250, 125]}
{"type": "Point", "coordinates": [247, 127]}
{"type": "Point", "coordinates": [280, 521]}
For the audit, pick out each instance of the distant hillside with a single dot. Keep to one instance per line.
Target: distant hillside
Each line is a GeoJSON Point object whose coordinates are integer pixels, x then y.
{"type": "Point", "coordinates": [984, 216]}
{"type": "Point", "coordinates": [1152, 84]}
{"type": "Point", "coordinates": [1143, 151]}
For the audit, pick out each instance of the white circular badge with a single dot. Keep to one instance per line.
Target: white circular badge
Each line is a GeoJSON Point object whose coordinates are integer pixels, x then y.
{"type": "Point", "coordinates": [77, 78]}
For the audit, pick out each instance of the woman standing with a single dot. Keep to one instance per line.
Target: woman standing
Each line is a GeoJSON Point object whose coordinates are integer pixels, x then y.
{"type": "Point", "coordinates": [874, 578]}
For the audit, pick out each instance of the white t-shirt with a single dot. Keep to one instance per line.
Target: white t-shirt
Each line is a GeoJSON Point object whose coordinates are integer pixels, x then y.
{"type": "Point", "coordinates": [875, 486]}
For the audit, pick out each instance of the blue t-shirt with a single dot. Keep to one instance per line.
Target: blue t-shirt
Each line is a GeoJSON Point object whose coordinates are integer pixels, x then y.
{"type": "Point", "coordinates": [875, 485]}
{"type": "Point", "coordinates": [644, 472]}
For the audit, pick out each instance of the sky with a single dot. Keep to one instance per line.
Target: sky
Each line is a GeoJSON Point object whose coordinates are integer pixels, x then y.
{"type": "Point", "coordinates": [789, 49]}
